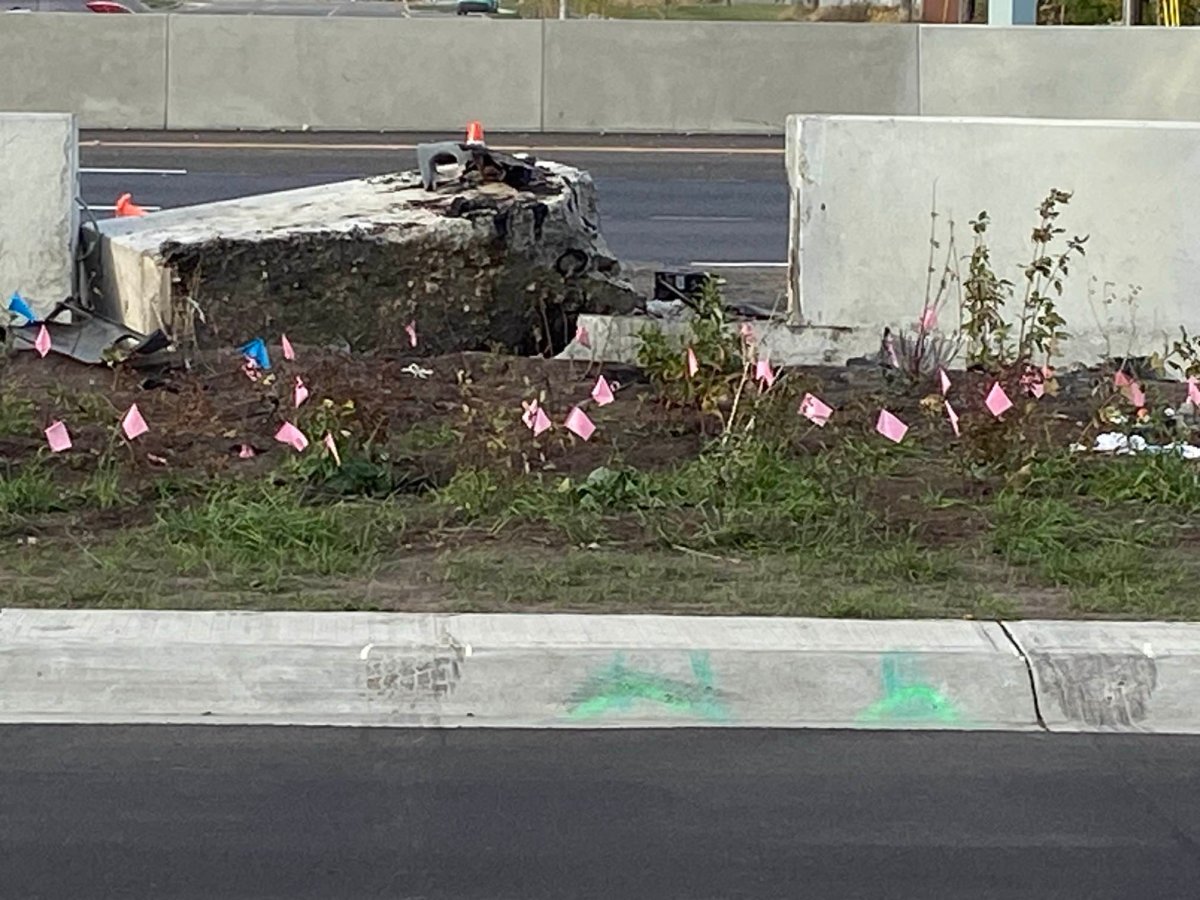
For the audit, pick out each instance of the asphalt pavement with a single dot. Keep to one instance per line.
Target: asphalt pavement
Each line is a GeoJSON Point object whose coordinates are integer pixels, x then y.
{"type": "Point", "coordinates": [203, 812]}
{"type": "Point", "coordinates": [672, 200]}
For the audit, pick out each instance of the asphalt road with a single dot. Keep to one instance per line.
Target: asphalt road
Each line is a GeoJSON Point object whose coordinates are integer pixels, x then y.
{"type": "Point", "coordinates": [165, 813]}
{"type": "Point", "coordinates": [671, 200]}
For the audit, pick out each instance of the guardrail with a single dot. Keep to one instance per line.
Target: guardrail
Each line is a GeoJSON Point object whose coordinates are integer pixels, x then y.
{"type": "Point", "coordinates": [249, 72]}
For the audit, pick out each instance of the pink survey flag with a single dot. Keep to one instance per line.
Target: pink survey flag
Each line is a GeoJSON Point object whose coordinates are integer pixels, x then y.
{"type": "Point", "coordinates": [890, 346]}
{"type": "Point", "coordinates": [944, 381]}
{"type": "Point", "coordinates": [693, 365]}
{"type": "Point", "coordinates": [763, 373]}
{"type": "Point", "coordinates": [411, 330]}
{"type": "Point", "coordinates": [891, 427]}
{"type": "Point", "coordinates": [299, 393]}
{"type": "Point", "coordinates": [579, 424]}
{"type": "Point", "coordinates": [997, 401]}
{"type": "Point", "coordinates": [953, 417]}
{"type": "Point", "coordinates": [541, 422]}
{"type": "Point", "coordinates": [815, 410]}
{"type": "Point", "coordinates": [246, 452]}
{"type": "Point", "coordinates": [58, 438]}
{"type": "Point", "coordinates": [928, 319]}
{"type": "Point", "coordinates": [292, 436]}
{"type": "Point", "coordinates": [42, 344]}
{"type": "Point", "coordinates": [331, 446]}
{"type": "Point", "coordinates": [1121, 380]}
{"type": "Point", "coordinates": [134, 424]}
{"type": "Point", "coordinates": [1135, 394]}
{"type": "Point", "coordinates": [289, 352]}
{"type": "Point", "coordinates": [1037, 389]}
{"type": "Point", "coordinates": [1193, 392]}
{"type": "Point", "coordinates": [582, 338]}
{"type": "Point", "coordinates": [602, 392]}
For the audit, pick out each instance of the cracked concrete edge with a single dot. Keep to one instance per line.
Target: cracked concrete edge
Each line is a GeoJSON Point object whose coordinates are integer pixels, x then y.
{"type": "Point", "coordinates": [551, 671]}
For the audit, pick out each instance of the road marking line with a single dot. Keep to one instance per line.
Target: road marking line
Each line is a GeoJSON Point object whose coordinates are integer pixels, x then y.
{"type": "Point", "coordinates": [95, 208]}
{"type": "Point", "coordinates": [740, 265]}
{"type": "Point", "coordinates": [392, 148]}
{"type": "Point", "coordinates": [109, 171]}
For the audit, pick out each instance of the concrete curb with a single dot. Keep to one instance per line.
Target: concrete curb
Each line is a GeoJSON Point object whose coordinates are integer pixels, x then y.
{"type": "Point", "coordinates": [1114, 676]}
{"type": "Point", "coordinates": [507, 670]}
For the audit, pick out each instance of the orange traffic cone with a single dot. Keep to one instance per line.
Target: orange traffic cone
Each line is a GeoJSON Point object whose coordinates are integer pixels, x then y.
{"type": "Point", "coordinates": [126, 208]}
{"type": "Point", "coordinates": [475, 132]}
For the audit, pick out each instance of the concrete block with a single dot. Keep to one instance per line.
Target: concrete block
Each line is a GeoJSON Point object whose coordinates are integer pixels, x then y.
{"type": "Point", "coordinates": [39, 231]}
{"type": "Point", "coordinates": [507, 670]}
{"type": "Point", "coordinates": [110, 71]}
{"type": "Point", "coordinates": [1114, 676]}
{"type": "Point", "coordinates": [353, 73]}
{"type": "Point", "coordinates": [862, 188]}
{"type": "Point", "coordinates": [1061, 72]}
{"type": "Point", "coordinates": [722, 76]}
{"type": "Point", "coordinates": [618, 339]}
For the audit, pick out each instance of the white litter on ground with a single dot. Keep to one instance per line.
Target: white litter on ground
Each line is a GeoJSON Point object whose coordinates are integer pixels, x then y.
{"type": "Point", "coordinates": [1132, 444]}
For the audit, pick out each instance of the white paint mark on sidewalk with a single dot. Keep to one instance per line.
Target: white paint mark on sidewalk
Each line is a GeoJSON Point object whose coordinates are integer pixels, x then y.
{"type": "Point", "coordinates": [700, 218]}
{"type": "Point", "coordinates": [740, 265]}
{"type": "Point", "coordinates": [109, 171]}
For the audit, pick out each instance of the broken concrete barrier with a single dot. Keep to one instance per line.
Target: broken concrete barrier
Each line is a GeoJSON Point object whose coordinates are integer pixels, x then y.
{"type": "Point", "coordinates": [476, 264]}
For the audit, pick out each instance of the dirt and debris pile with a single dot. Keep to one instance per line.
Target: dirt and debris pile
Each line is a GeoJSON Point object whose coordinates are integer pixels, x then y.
{"type": "Point", "coordinates": [501, 256]}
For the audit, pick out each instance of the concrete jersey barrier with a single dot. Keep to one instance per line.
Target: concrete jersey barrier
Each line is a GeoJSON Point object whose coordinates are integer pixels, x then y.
{"type": "Point", "coordinates": [507, 670]}
{"type": "Point", "coordinates": [265, 72]}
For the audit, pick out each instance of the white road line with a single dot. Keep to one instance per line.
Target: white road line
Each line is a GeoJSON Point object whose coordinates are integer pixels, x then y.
{"type": "Point", "coordinates": [535, 149]}
{"type": "Point", "coordinates": [95, 208]}
{"type": "Point", "coordinates": [700, 219]}
{"type": "Point", "coordinates": [107, 171]}
{"type": "Point", "coordinates": [739, 265]}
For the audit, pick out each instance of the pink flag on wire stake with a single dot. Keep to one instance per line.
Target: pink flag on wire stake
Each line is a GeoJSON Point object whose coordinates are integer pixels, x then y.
{"type": "Point", "coordinates": [928, 320]}
{"type": "Point", "coordinates": [997, 401]}
{"type": "Point", "coordinates": [299, 393]}
{"type": "Point", "coordinates": [292, 436]}
{"type": "Point", "coordinates": [763, 373]}
{"type": "Point", "coordinates": [1120, 379]}
{"type": "Point", "coordinates": [1037, 389]}
{"type": "Point", "coordinates": [134, 424]}
{"type": "Point", "coordinates": [411, 330]}
{"type": "Point", "coordinates": [1193, 392]}
{"type": "Point", "coordinates": [541, 422]}
{"type": "Point", "coordinates": [602, 392]}
{"type": "Point", "coordinates": [953, 417]}
{"type": "Point", "coordinates": [246, 452]}
{"type": "Point", "coordinates": [289, 352]}
{"type": "Point", "coordinates": [579, 424]}
{"type": "Point", "coordinates": [58, 437]}
{"type": "Point", "coordinates": [891, 427]}
{"type": "Point", "coordinates": [42, 342]}
{"type": "Point", "coordinates": [944, 381]}
{"type": "Point", "coordinates": [693, 364]}
{"type": "Point", "coordinates": [582, 338]}
{"type": "Point", "coordinates": [815, 410]}
{"type": "Point", "coordinates": [331, 446]}
{"type": "Point", "coordinates": [1134, 393]}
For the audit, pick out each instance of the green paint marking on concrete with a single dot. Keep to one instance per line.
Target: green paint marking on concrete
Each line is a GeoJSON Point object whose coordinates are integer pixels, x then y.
{"type": "Point", "coordinates": [908, 699]}
{"type": "Point", "coordinates": [617, 687]}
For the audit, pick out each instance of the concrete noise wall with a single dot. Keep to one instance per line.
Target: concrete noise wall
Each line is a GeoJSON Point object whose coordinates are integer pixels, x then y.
{"type": "Point", "coordinates": [862, 188]}
{"type": "Point", "coordinates": [266, 72]}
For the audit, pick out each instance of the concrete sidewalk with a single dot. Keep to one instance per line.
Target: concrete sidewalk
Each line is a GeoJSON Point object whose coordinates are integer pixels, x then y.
{"type": "Point", "coordinates": [543, 671]}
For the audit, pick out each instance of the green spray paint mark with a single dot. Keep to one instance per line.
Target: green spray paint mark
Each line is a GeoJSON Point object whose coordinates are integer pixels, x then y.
{"type": "Point", "coordinates": [617, 687]}
{"type": "Point", "coordinates": [906, 698]}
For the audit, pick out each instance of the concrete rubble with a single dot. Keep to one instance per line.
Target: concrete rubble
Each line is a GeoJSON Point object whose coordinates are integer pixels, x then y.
{"type": "Point", "coordinates": [503, 254]}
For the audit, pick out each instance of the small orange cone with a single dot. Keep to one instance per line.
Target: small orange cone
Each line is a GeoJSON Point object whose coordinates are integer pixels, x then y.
{"type": "Point", "coordinates": [475, 132]}
{"type": "Point", "coordinates": [126, 208]}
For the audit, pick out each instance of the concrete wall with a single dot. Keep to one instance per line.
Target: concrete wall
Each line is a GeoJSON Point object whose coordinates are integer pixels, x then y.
{"type": "Point", "coordinates": [213, 72]}
{"type": "Point", "coordinates": [861, 197]}
{"type": "Point", "coordinates": [110, 71]}
{"type": "Point", "coordinates": [373, 74]}
{"type": "Point", "coordinates": [39, 173]}
{"type": "Point", "coordinates": [695, 76]}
